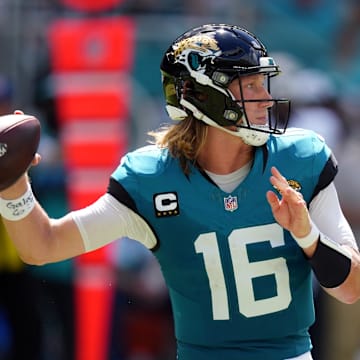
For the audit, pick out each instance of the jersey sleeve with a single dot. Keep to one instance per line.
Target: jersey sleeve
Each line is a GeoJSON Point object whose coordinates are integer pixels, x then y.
{"type": "Point", "coordinates": [314, 158]}
{"type": "Point", "coordinates": [127, 182]}
{"type": "Point", "coordinates": [123, 183]}
{"type": "Point", "coordinates": [327, 175]}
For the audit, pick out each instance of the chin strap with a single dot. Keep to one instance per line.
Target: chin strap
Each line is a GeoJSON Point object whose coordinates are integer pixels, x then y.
{"type": "Point", "coordinates": [175, 113]}
{"type": "Point", "coordinates": [249, 136]}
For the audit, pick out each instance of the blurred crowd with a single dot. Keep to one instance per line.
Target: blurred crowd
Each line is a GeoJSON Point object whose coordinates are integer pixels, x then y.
{"type": "Point", "coordinates": [317, 45]}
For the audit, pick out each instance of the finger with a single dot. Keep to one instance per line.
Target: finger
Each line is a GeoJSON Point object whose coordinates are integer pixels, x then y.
{"type": "Point", "coordinates": [36, 160]}
{"type": "Point", "coordinates": [279, 184]}
{"type": "Point", "coordinates": [272, 200]}
{"type": "Point", "coordinates": [278, 180]}
{"type": "Point", "coordinates": [294, 199]}
{"type": "Point", "coordinates": [277, 174]}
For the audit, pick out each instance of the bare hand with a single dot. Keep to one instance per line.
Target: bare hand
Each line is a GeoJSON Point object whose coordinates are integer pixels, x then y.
{"type": "Point", "coordinates": [36, 160]}
{"type": "Point", "coordinates": [290, 211]}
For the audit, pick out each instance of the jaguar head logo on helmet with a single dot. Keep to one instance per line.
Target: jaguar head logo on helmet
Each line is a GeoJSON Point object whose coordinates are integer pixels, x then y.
{"type": "Point", "coordinates": [197, 70]}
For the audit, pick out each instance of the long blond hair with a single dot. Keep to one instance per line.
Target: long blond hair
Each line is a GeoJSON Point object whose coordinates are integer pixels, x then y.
{"type": "Point", "coordinates": [183, 139]}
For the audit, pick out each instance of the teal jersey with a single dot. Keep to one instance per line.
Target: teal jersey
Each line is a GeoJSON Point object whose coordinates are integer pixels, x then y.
{"type": "Point", "coordinates": [239, 285]}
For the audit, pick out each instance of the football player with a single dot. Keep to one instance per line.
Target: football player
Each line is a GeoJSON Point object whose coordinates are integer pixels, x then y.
{"type": "Point", "coordinates": [238, 211]}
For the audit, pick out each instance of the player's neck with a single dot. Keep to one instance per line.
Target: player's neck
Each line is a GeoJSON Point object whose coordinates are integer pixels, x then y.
{"type": "Point", "coordinates": [224, 153]}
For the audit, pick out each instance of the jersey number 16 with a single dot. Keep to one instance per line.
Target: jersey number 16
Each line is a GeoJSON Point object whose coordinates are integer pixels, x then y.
{"type": "Point", "coordinates": [245, 271]}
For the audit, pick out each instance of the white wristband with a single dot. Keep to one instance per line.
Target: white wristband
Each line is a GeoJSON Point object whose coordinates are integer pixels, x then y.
{"type": "Point", "coordinates": [19, 208]}
{"type": "Point", "coordinates": [308, 240]}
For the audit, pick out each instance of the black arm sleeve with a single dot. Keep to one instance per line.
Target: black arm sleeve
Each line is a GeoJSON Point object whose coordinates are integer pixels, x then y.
{"type": "Point", "coordinates": [330, 263]}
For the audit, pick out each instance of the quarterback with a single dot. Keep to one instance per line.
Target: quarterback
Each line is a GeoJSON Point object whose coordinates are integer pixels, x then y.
{"type": "Point", "coordinates": [239, 211]}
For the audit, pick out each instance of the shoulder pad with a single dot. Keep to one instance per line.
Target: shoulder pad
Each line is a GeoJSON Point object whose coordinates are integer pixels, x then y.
{"type": "Point", "coordinates": [147, 160]}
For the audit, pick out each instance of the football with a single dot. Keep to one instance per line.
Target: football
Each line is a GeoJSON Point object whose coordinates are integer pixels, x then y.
{"type": "Point", "coordinates": [19, 141]}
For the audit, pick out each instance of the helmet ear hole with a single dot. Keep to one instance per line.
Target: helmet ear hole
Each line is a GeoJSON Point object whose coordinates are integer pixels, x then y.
{"type": "Point", "coordinates": [190, 91]}
{"type": "Point", "coordinates": [188, 87]}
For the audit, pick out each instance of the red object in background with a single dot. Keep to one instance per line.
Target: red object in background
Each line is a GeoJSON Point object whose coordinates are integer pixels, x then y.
{"type": "Point", "coordinates": [94, 293]}
{"type": "Point", "coordinates": [92, 44]}
{"type": "Point", "coordinates": [91, 59]}
{"type": "Point", "coordinates": [86, 149]}
{"type": "Point", "coordinates": [91, 5]}
{"type": "Point", "coordinates": [85, 186]}
{"type": "Point", "coordinates": [82, 97]}
{"type": "Point", "coordinates": [96, 105]}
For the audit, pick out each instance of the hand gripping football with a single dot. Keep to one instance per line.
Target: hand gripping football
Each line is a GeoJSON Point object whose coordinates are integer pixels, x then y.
{"type": "Point", "coordinates": [19, 141]}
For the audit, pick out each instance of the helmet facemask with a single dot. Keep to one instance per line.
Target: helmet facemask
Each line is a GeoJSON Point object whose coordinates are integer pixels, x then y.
{"type": "Point", "coordinates": [278, 113]}
{"type": "Point", "coordinates": [198, 69]}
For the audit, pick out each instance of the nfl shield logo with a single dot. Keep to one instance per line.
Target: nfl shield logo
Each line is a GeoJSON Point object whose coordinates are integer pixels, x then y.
{"type": "Point", "coordinates": [230, 203]}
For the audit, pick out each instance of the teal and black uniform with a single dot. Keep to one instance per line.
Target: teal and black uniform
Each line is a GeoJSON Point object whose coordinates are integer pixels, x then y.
{"type": "Point", "coordinates": [239, 284]}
